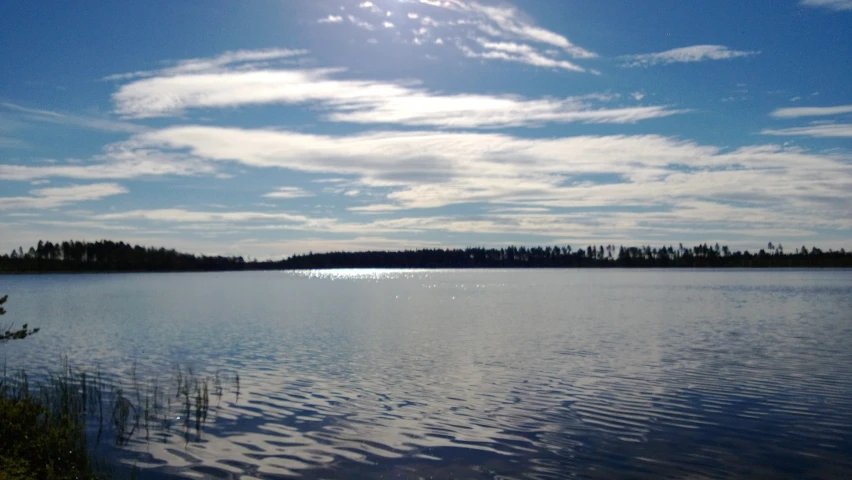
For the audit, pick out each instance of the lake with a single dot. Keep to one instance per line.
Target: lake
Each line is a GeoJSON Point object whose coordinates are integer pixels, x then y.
{"type": "Point", "coordinates": [471, 373]}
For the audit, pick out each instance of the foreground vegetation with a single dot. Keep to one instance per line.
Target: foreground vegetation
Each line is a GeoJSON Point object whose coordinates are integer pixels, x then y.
{"type": "Point", "coordinates": [39, 442]}
{"type": "Point", "coordinates": [49, 426]}
{"type": "Point", "coordinates": [109, 256]}
{"type": "Point", "coordinates": [10, 333]}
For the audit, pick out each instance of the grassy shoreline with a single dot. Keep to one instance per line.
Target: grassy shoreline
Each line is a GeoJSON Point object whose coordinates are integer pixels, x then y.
{"type": "Point", "coordinates": [54, 427]}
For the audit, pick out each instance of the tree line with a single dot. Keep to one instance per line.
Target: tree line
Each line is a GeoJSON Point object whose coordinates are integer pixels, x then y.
{"type": "Point", "coordinates": [110, 256]}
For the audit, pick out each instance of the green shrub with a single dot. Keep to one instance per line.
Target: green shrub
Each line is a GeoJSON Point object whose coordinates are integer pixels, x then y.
{"type": "Point", "coordinates": [37, 444]}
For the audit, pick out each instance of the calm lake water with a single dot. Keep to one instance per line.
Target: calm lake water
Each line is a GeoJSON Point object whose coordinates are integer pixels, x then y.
{"type": "Point", "coordinates": [473, 374]}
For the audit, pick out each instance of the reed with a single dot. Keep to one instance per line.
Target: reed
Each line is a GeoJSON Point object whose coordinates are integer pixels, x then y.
{"type": "Point", "coordinates": [53, 424]}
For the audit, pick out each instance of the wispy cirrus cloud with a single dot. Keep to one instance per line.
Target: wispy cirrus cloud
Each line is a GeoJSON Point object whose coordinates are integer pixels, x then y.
{"type": "Point", "coordinates": [10, 142]}
{"type": "Point", "coordinates": [428, 151]}
{"type": "Point", "coordinates": [182, 215]}
{"type": "Point", "coordinates": [331, 19]}
{"type": "Point", "coordinates": [797, 112]}
{"type": "Point", "coordinates": [417, 171]}
{"type": "Point", "coordinates": [288, 192]}
{"type": "Point", "coordinates": [420, 108]}
{"type": "Point", "coordinates": [237, 59]}
{"type": "Point", "coordinates": [457, 23]}
{"type": "Point", "coordinates": [87, 122]}
{"type": "Point", "coordinates": [655, 186]}
{"type": "Point", "coordinates": [370, 6]}
{"type": "Point", "coordinates": [360, 23]}
{"type": "Point", "coordinates": [756, 223]}
{"type": "Point", "coordinates": [839, 5]}
{"type": "Point", "coordinates": [691, 54]}
{"type": "Point", "coordinates": [363, 101]}
{"type": "Point", "coordinates": [60, 196]}
{"type": "Point", "coordinates": [117, 162]}
{"type": "Point", "coordinates": [514, 52]}
{"type": "Point", "coordinates": [510, 22]}
{"type": "Point", "coordinates": [818, 131]}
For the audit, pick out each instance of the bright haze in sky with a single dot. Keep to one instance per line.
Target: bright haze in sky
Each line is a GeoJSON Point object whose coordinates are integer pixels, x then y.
{"type": "Point", "coordinates": [267, 128]}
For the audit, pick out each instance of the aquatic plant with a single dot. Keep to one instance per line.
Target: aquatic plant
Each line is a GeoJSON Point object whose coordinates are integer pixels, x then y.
{"type": "Point", "coordinates": [42, 434]}
{"type": "Point", "coordinates": [49, 425]}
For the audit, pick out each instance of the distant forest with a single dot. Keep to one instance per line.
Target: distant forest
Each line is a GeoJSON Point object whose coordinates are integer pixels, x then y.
{"type": "Point", "coordinates": [109, 256]}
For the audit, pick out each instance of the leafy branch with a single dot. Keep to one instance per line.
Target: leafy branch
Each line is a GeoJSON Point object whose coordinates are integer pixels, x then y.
{"type": "Point", "coordinates": [11, 334]}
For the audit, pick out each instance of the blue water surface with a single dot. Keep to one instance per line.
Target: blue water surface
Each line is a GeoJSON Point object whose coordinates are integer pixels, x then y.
{"type": "Point", "coordinates": [470, 373]}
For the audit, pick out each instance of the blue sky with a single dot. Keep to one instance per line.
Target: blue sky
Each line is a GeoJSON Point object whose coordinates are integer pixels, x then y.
{"type": "Point", "coordinates": [267, 128]}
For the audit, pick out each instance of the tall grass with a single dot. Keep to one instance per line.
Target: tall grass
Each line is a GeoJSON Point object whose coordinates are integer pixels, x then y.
{"type": "Point", "coordinates": [79, 409]}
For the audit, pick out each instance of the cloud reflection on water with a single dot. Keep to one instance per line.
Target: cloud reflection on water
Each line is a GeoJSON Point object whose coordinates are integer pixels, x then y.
{"type": "Point", "coordinates": [497, 374]}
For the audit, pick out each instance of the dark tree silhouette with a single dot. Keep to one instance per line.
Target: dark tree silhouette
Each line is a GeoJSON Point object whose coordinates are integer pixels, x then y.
{"type": "Point", "coordinates": [110, 256]}
{"type": "Point", "coordinates": [10, 334]}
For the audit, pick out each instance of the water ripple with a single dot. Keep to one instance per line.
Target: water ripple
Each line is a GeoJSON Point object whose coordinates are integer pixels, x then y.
{"type": "Point", "coordinates": [471, 374]}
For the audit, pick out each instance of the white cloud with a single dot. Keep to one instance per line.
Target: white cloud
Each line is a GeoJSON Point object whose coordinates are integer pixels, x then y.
{"type": "Point", "coordinates": [477, 111]}
{"type": "Point", "coordinates": [361, 101]}
{"type": "Point", "coordinates": [89, 225]}
{"type": "Point", "coordinates": [59, 196]}
{"type": "Point", "coordinates": [169, 95]}
{"type": "Point", "coordinates": [8, 142]}
{"type": "Point", "coordinates": [683, 187]}
{"type": "Point", "coordinates": [520, 210]}
{"type": "Point", "coordinates": [506, 25]}
{"type": "Point", "coordinates": [372, 7]}
{"type": "Point", "coordinates": [695, 53]}
{"type": "Point", "coordinates": [838, 130]}
{"type": "Point", "coordinates": [773, 186]}
{"type": "Point", "coordinates": [92, 123]}
{"type": "Point", "coordinates": [393, 158]}
{"type": "Point", "coordinates": [387, 24]}
{"type": "Point", "coordinates": [181, 215]}
{"type": "Point", "coordinates": [117, 162]}
{"type": "Point", "coordinates": [331, 19]}
{"type": "Point", "coordinates": [360, 23]}
{"type": "Point", "coordinates": [288, 192]}
{"type": "Point", "coordinates": [811, 111]}
{"type": "Point", "coordinates": [519, 53]}
{"type": "Point", "coordinates": [231, 59]}
{"type": "Point", "coordinates": [511, 23]}
{"type": "Point", "coordinates": [330, 180]}
{"type": "Point", "coordinates": [280, 248]}
{"type": "Point", "coordinates": [839, 5]}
